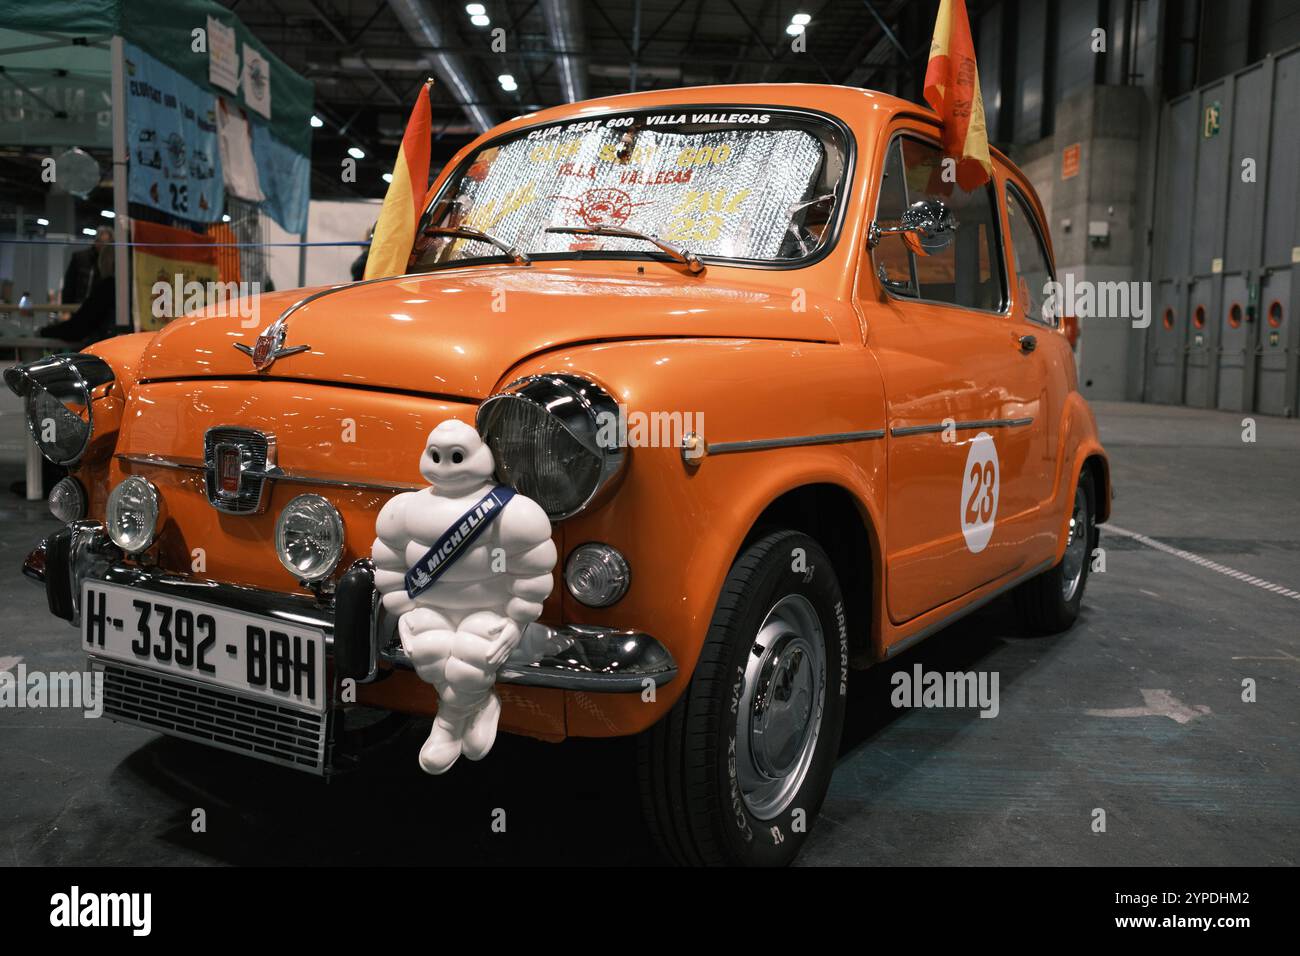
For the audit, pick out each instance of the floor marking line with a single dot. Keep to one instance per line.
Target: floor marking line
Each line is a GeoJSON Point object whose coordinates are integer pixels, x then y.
{"type": "Point", "coordinates": [1159, 703]}
{"type": "Point", "coordinates": [1205, 562]}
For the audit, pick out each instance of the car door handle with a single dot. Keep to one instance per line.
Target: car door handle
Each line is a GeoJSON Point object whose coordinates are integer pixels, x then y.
{"type": "Point", "coordinates": [1028, 343]}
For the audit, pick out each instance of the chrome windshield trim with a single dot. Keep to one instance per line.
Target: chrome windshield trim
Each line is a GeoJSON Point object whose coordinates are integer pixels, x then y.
{"type": "Point", "coordinates": [275, 474]}
{"type": "Point", "coordinates": [901, 431]}
{"type": "Point", "coordinates": [607, 112]}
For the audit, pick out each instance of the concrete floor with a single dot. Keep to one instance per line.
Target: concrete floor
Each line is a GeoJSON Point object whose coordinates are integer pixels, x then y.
{"type": "Point", "coordinates": [912, 787]}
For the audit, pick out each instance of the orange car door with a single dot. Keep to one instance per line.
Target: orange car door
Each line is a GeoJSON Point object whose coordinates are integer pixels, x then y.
{"type": "Point", "coordinates": [961, 396]}
{"type": "Point", "coordinates": [1052, 359]}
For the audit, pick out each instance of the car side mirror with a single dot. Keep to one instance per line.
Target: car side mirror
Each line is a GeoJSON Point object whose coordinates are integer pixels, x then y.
{"type": "Point", "coordinates": [927, 227]}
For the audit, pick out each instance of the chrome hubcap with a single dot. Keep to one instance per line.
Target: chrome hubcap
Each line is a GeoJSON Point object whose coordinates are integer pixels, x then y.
{"type": "Point", "coordinates": [1076, 546]}
{"type": "Point", "coordinates": [780, 708]}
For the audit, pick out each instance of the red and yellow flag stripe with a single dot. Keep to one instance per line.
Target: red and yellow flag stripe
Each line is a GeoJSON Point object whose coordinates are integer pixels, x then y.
{"type": "Point", "coordinates": [404, 202]}
{"type": "Point", "coordinates": [952, 88]}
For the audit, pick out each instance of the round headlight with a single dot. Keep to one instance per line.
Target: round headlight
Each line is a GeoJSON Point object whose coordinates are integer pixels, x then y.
{"type": "Point", "coordinates": [309, 537]}
{"type": "Point", "coordinates": [56, 394]}
{"type": "Point", "coordinates": [132, 514]}
{"type": "Point", "coordinates": [597, 574]}
{"type": "Point", "coordinates": [554, 438]}
{"type": "Point", "coordinates": [68, 500]}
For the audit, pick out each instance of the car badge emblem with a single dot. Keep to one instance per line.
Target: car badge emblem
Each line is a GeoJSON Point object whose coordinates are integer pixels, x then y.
{"type": "Point", "coordinates": [238, 466]}
{"type": "Point", "coordinates": [270, 346]}
{"type": "Point", "coordinates": [230, 469]}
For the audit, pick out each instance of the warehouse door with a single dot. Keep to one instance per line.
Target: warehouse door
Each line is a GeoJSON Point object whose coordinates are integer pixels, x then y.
{"type": "Point", "coordinates": [1226, 244]}
{"type": "Point", "coordinates": [1168, 342]}
{"type": "Point", "coordinates": [1275, 354]}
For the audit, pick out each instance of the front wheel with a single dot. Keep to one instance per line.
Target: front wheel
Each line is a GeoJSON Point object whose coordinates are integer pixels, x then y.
{"type": "Point", "coordinates": [737, 771]}
{"type": "Point", "coordinates": [1050, 602]}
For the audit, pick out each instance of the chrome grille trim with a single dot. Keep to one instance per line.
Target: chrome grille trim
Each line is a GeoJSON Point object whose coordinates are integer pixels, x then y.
{"type": "Point", "coordinates": [277, 474]}
{"type": "Point", "coordinates": [258, 462]}
{"type": "Point", "coordinates": [213, 715]}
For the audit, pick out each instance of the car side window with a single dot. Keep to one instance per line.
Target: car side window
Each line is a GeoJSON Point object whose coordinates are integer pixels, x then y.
{"type": "Point", "coordinates": [969, 272]}
{"type": "Point", "coordinates": [1033, 267]}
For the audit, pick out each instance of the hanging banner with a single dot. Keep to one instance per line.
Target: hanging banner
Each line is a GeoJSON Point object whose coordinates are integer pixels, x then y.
{"type": "Point", "coordinates": [284, 176]}
{"type": "Point", "coordinates": [223, 56]}
{"type": "Point", "coordinates": [171, 128]}
{"type": "Point", "coordinates": [235, 141]}
{"type": "Point", "coordinates": [257, 81]}
{"type": "Point", "coordinates": [187, 273]}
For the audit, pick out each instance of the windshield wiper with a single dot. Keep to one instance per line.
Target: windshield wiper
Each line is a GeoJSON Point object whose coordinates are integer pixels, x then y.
{"type": "Point", "coordinates": [692, 262]}
{"type": "Point", "coordinates": [464, 232]}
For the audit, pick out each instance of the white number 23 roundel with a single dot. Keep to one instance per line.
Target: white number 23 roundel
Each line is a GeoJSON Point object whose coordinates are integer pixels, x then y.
{"type": "Point", "coordinates": [979, 493]}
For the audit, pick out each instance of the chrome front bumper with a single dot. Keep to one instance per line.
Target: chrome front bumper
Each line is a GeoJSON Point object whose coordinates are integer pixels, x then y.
{"type": "Point", "coordinates": [361, 638]}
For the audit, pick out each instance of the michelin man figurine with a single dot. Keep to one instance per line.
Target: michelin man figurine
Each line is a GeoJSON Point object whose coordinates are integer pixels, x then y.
{"type": "Point", "coordinates": [466, 564]}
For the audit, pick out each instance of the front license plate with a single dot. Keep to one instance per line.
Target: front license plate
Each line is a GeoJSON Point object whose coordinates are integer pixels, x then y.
{"type": "Point", "coordinates": [256, 655]}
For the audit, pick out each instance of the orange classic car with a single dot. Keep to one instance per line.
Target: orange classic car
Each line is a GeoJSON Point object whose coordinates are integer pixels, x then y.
{"type": "Point", "coordinates": [791, 399]}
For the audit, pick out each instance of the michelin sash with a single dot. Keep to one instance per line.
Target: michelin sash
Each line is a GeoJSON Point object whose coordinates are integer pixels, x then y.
{"type": "Point", "coordinates": [456, 540]}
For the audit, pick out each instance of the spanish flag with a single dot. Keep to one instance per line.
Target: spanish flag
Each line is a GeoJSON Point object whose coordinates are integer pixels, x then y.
{"type": "Point", "coordinates": [952, 88]}
{"type": "Point", "coordinates": [395, 232]}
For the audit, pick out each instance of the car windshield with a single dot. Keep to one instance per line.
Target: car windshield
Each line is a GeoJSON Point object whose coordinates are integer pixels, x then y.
{"type": "Point", "coordinates": [756, 185]}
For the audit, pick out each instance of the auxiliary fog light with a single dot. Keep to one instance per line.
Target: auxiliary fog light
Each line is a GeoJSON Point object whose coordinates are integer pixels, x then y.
{"type": "Point", "coordinates": [309, 537]}
{"type": "Point", "coordinates": [68, 500]}
{"type": "Point", "coordinates": [597, 574]}
{"type": "Point", "coordinates": [133, 512]}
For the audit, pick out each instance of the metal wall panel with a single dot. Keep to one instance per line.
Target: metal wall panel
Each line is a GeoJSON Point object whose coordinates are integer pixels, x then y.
{"type": "Point", "coordinates": [1178, 167]}
{"type": "Point", "coordinates": [1227, 249]}
{"type": "Point", "coordinates": [1076, 64]}
{"type": "Point", "coordinates": [1168, 338]}
{"type": "Point", "coordinates": [1236, 342]}
{"type": "Point", "coordinates": [1028, 113]}
{"type": "Point", "coordinates": [1209, 194]}
{"type": "Point", "coordinates": [989, 57]}
{"type": "Point", "coordinates": [1202, 343]}
{"type": "Point", "coordinates": [1250, 114]}
{"type": "Point", "coordinates": [1282, 211]}
{"type": "Point", "coordinates": [1276, 351]}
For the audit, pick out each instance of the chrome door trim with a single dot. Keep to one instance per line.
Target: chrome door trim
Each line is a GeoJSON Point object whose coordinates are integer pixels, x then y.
{"type": "Point", "coordinates": [695, 448]}
{"type": "Point", "coordinates": [904, 430]}
{"type": "Point", "coordinates": [762, 444]}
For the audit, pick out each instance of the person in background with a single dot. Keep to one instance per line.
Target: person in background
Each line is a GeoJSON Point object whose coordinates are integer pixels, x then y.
{"type": "Point", "coordinates": [359, 263]}
{"type": "Point", "coordinates": [83, 267]}
{"type": "Point", "coordinates": [96, 316]}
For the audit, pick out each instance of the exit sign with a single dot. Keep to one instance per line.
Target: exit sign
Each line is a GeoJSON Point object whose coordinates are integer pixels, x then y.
{"type": "Point", "coordinates": [1210, 122]}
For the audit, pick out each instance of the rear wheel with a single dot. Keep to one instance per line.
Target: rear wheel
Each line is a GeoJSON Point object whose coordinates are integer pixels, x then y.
{"type": "Point", "coordinates": [737, 771]}
{"type": "Point", "coordinates": [1049, 603]}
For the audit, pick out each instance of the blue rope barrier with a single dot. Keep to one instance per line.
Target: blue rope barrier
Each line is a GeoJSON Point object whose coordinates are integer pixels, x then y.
{"type": "Point", "coordinates": [179, 245]}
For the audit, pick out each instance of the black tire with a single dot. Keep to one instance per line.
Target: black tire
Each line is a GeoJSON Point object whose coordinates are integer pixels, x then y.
{"type": "Point", "coordinates": [688, 763]}
{"type": "Point", "coordinates": [1041, 602]}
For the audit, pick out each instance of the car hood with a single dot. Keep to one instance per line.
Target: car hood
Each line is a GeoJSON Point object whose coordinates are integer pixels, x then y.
{"type": "Point", "coordinates": [457, 332]}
